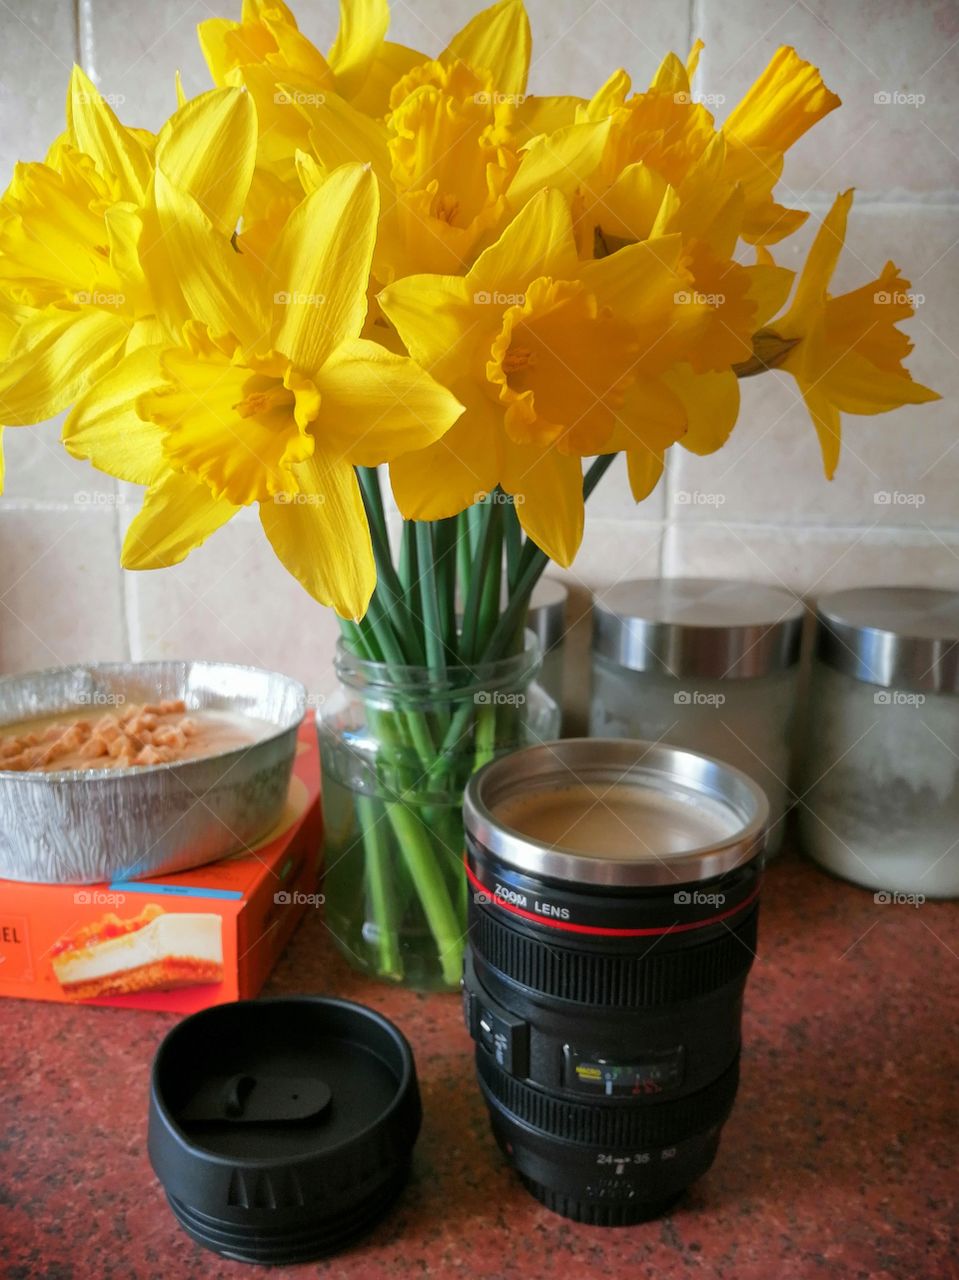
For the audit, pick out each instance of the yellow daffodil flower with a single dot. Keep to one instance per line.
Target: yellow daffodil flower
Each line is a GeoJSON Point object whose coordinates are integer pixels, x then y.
{"type": "Point", "coordinates": [636, 165]}
{"type": "Point", "coordinates": [263, 392]}
{"type": "Point", "coordinates": [554, 358]}
{"type": "Point", "coordinates": [78, 281]}
{"type": "Point", "coordinates": [67, 300]}
{"type": "Point", "coordinates": [446, 150]}
{"type": "Point", "coordinates": [847, 354]}
{"type": "Point", "coordinates": [783, 104]}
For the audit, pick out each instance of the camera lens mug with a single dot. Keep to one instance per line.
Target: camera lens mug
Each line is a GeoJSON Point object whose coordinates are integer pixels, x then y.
{"type": "Point", "coordinates": [612, 926]}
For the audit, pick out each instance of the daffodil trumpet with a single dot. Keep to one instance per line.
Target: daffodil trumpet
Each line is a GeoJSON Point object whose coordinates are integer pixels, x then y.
{"type": "Point", "coordinates": [367, 261]}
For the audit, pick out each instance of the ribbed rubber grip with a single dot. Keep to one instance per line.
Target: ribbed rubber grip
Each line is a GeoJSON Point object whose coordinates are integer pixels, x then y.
{"type": "Point", "coordinates": [614, 1127]}
{"type": "Point", "coordinates": [659, 977]}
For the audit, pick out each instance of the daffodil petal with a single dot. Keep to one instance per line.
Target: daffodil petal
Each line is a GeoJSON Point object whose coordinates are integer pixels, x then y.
{"type": "Point", "coordinates": [639, 281]}
{"type": "Point", "coordinates": [711, 402]}
{"type": "Point", "coordinates": [538, 242]}
{"type": "Point", "coordinates": [439, 318]}
{"type": "Point", "coordinates": [499, 40]}
{"type": "Point", "coordinates": [450, 475]}
{"type": "Point", "coordinates": [644, 468]}
{"type": "Point", "coordinates": [215, 280]}
{"type": "Point", "coordinates": [212, 36]}
{"type": "Point", "coordinates": [826, 420]}
{"type": "Point", "coordinates": [559, 159]}
{"type": "Point", "coordinates": [786, 100]}
{"type": "Point", "coordinates": [362, 30]}
{"type": "Point", "coordinates": [54, 358]}
{"type": "Point", "coordinates": [321, 267]}
{"type": "Point", "coordinates": [548, 488]}
{"type": "Point", "coordinates": [229, 426]}
{"type": "Point", "coordinates": [208, 149]}
{"type": "Point", "coordinates": [820, 264]}
{"type": "Point", "coordinates": [340, 134]}
{"type": "Point", "coordinates": [322, 537]}
{"type": "Point", "coordinates": [769, 287]}
{"type": "Point", "coordinates": [179, 513]}
{"type": "Point", "coordinates": [855, 385]}
{"type": "Point", "coordinates": [105, 428]}
{"type": "Point", "coordinates": [97, 131]}
{"type": "Point", "coordinates": [375, 406]}
{"type": "Point", "coordinates": [652, 416]}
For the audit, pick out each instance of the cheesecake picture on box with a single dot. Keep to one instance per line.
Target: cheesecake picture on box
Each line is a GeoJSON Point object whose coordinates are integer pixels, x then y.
{"type": "Point", "coordinates": [178, 942]}
{"type": "Point", "coordinates": [155, 950]}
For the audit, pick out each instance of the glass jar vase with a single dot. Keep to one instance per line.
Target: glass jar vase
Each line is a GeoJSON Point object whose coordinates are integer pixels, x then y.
{"type": "Point", "coordinates": [397, 746]}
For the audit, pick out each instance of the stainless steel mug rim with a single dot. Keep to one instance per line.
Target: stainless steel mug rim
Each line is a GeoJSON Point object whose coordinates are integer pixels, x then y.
{"type": "Point", "coordinates": [615, 760]}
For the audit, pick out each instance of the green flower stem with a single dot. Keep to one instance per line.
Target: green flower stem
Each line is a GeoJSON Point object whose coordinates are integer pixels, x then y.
{"type": "Point", "coordinates": [481, 562]}
{"type": "Point", "coordinates": [398, 615]}
{"type": "Point", "coordinates": [432, 620]}
{"type": "Point", "coordinates": [382, 896]}
{"type": "Point", "coordinates": [513, 535]}
{"type": "Point", "coordinates": [445, 571]}
{"type": "Point", "coordinates": [486, 719]}
{"type": "Point", "coordinates": [416, 846]}
{"type": "Point", "coordinates": [409, 573]}
{"type": "Point", "coordinates": [534, 561]}
{"type": "Point", "coordinates": [464, 558]}
{"type": "Point", "coordinates": [492, 587]}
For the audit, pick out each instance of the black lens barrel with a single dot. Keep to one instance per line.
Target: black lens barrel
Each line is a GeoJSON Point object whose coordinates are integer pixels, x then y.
{"type": "Point", "coordinates": [607, 1016]}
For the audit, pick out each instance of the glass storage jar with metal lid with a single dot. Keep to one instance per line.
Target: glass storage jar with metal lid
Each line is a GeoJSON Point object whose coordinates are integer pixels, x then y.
{"type": "Point", "coordinates": [881, 756]}
{"type": "Point", "coordinates": [703, 663]}
{"type": "Point", "coordinates": [547, 620]}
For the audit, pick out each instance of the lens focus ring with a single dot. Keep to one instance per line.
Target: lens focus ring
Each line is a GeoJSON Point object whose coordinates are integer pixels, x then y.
{"type": "Point", "coordinates": [654, 979]}
{"type": "Point", "coordinates": [615, 1127]}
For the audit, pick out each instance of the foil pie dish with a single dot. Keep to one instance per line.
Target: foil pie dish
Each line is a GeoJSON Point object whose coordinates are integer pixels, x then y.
{"type": "Point", "coordinates": [90, 825]}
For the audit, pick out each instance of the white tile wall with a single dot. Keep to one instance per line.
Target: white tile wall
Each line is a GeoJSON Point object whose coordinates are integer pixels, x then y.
{"type": "Point", "coordinates": [761, 508]}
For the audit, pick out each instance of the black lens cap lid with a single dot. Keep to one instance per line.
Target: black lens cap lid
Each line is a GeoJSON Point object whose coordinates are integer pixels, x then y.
{"type": "Point", "coordinates": [282, 1129]}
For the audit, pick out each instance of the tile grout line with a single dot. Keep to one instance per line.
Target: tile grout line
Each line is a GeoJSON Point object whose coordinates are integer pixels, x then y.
{"type": "Point", "coordinates": [86, 57]}
{"type": "Point", "coordinates": [694, 26]}
{"type": "Point", "coordinates": [85, 44]}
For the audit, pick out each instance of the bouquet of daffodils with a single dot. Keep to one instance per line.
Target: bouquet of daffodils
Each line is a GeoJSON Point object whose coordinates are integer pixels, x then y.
{"type": "Point", "coordinates": [328, 263]}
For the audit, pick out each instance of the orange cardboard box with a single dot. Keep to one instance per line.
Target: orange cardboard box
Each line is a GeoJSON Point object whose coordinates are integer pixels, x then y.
{"type": "Point", "coordinates": [182, 942]}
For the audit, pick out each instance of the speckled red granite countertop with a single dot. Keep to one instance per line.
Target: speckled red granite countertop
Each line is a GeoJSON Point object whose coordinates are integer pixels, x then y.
{"type": "Point", "coordinates": [840, 1159]}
